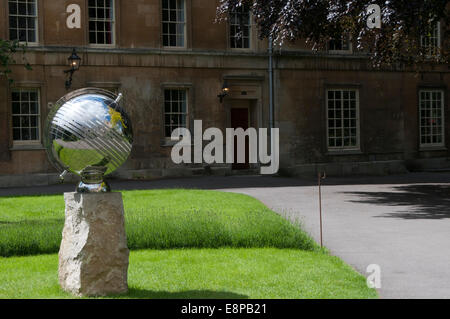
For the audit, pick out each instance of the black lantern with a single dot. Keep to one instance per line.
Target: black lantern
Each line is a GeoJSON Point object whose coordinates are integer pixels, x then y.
{"type": "Point", "coordinates": [225, 91]}
{"type": "Point", "coordinates": [74, 63]}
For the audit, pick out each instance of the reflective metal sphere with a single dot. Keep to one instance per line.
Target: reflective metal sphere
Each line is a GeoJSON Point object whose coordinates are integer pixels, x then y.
{"type": "Point", "coordinates": [89, 134]}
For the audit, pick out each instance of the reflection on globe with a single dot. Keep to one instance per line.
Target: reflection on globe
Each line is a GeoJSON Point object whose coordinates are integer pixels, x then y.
{"type": "Point", "coordinates": [89, 134]}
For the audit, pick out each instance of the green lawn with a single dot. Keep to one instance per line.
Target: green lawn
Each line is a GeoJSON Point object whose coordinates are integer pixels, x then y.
{"type": "Point", "coordinates": [185, 244]}
{"type": "Point", "coordinates": [203, 273]}
{"type": "Point", "coordinates": [157, 219]}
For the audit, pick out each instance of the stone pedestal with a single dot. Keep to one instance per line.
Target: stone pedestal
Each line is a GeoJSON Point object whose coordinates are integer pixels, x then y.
{"type": "Point", "coordinates": [93, 257]}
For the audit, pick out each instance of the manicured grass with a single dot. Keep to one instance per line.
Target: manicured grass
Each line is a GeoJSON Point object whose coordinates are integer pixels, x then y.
{"type": "Point", "coordinates": [203, 273]}
{"type": "Point", "coordinates": [157, 219]}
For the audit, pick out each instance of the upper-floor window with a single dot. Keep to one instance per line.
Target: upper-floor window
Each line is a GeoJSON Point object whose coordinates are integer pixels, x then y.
{"type": "Point", "coordinates": [343, 119]}
{"type": "Point", "coordinates": [431, 109]}
{"type": "Point", "coordinates": [432, 40]}
{"type": "Point", "coordinates": [339, 45]}
{"type": "Point", "coordinates": [175, 110]}
{"type": "Point", "coordinates": [23, 20]}
{"type": "Point", "coordinates": [101, 22]}
{"type": "Point", "coordinates": [173, 23]}
{"type": "Point", "coordinates": [25, 115]}
{"type": "Point", "coordinates": [240, 28]}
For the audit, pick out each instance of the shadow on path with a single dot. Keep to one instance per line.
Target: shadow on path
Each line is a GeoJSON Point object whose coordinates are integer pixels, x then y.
{"type": "Point", "coordinates": [423, 201]}
{"type": "Point", "coordinates": [232, 182]}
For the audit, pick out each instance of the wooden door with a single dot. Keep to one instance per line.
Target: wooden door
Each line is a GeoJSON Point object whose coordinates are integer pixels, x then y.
{"type": "Point", "coordinates": [240, 118]}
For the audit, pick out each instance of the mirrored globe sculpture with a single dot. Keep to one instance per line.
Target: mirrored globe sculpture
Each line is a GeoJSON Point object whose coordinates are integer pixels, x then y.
{"type": "Point", "coordinates": [87, 133]}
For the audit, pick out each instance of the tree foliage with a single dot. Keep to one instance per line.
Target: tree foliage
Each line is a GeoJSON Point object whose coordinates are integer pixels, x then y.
{"type": "Point", "coordinates": [404, 23]}
{"type": "Point", "coordinates": [8, 49]}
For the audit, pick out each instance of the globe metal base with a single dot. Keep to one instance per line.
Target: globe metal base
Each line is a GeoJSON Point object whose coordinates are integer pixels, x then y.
{"type": "Point", "coordinates": [102, 187]}
{"type": "Point", "coordinates": [92, 181]}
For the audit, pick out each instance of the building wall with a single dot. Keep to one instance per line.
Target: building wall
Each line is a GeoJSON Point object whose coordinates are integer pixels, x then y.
{"type": "Point", "coordinates": [389, 119]}
{"type": "Point", "coordinates": [140, 67]}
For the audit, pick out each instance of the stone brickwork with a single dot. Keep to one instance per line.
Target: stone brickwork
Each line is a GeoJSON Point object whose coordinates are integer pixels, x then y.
{"type": "Point", "coordinates": [140, 67]}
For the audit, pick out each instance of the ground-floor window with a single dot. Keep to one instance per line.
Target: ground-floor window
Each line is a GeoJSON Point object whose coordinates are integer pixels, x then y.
{"type": "Point", "coordinates": [342, 119]}
{"type": "Point", "coordinates": [25, 115]}
{"type": "Point", "coordinates": [175, 110]}
{"type": "Point", "coordinates": [431, 105]}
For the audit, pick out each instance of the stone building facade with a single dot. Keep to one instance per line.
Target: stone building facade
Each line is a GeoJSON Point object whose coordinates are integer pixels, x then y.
{"type": "Point", "coordinates": [170, 60]}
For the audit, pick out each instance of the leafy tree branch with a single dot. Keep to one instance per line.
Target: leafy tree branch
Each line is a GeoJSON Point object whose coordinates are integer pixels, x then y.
{"type": "Point", "coordinates": [399, 40]}
{"type": "Point", "coordinates": [7, 51]}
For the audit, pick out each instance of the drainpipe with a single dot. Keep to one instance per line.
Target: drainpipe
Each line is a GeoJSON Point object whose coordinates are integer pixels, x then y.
{"type": "Point", "coordinates": [271, 106]}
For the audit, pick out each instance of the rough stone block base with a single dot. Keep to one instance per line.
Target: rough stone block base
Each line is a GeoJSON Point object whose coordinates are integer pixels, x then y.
{"type": "Point", "coordinates": [93, 257]}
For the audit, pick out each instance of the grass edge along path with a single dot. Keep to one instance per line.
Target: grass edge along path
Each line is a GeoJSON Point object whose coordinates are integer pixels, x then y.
{"type": "Point", "coordinates": [231, 273]}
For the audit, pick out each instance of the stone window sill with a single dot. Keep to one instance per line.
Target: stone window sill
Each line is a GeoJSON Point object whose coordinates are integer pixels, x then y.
{"type": "Point", "coordinates": [27, 147]}
{"type": "Point", "coordinates": [170, 143]}
{"type": "Point", "coordinates": [343, 152]}
{"type": "Point", "coordinates": [433, 148]}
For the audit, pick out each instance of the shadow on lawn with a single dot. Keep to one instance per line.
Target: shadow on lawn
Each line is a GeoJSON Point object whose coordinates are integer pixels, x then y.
{"type": "Point", "coordinates": [420, 201]}
{"type": "Point", "coordinates": [189, 294]}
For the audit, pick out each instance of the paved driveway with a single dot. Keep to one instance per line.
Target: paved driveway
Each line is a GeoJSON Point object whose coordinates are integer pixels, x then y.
{"type": "Point", "coordinates": [401, 223]}
{"type": "Point", "coordinates": [402, 227]}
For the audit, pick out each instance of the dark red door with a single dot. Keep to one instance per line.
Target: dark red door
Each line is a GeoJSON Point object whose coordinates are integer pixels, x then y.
{"type": "Point", "coordinates": [239, 118]}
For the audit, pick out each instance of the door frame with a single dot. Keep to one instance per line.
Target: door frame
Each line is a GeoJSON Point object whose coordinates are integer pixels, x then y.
{"type": "Point", "coordinates": [247, 164]}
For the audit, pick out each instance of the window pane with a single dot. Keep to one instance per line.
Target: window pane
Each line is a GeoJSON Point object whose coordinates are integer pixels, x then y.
{"type": "Point", "coordinates": [240, 28]}
{"type": "Point", "coordinates": [101, 38]}
{"type": "Point", "coordinates": [12, 7]}
{"type": "Point", "coordinates": [173, 41]}
{"type": "Point", "coordinates": [24, 121]}
{"type": "Point", "coordinates": [34, 134]}
{"type": "Point", "coordinates": [431, 117]}
{"type": "Point", "coordinates": [173, 23]}
{"type": "Point", "coordinates": [22, 20]}
{"type": "Point", "coordinates": [33, 121]}
{"type": "Point", "coordinates": [180, 41]}
{"type": "Point", "coordinates": [165, 15]}
{"type": "Point", "coordinates": [101, 22]}
{"type": "Point", "coordinates": [31, 36]}
{"type": "Point", "coordinates": [24, 108]}
{"type": "Point", "coordinates": [25, 134]}
{"type": "Point", "coordinates": [342, 121]}
{"type": "Point", "coordinates": [22, 35]}
{"type": "Point", "coordinates": [25, 111]}
{"type": "Point", "coordinates": [175, 108]}
{"type": "Point", "coordinates": [13, 22]}
{"type": "Point", "coordinates": [22, 6]}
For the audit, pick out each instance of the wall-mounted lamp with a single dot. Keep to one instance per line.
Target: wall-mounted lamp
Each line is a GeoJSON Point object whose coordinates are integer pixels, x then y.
{"type": "Point", "coordinates": [74, 63]}
{"type": "Point", "coordinates": [225, 91]}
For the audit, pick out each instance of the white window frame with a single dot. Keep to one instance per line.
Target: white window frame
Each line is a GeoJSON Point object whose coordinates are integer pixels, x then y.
{"type": "Point", "coordinates": [250, 33]}
{"type": "Point", "coordinates": [347, 51]}
{"type": "Point", "coordinates": [176, 25]}
{"type": "Point", "coordinates": [113, 28]}
{"type": "Point", "coordinates": [36, 17]}
{"type": "Point", "coordinates": [186, 113]}
{"type": "Point", "coordinates": [432, 145]}
{"type": "Point", "coordinates": [438, 38]}
{"type": "Point", "coordinates": [356, 147]}
{"type": "Point", "coordinates": [27, 142]}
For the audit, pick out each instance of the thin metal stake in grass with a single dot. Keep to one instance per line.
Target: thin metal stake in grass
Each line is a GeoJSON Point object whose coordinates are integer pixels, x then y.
{"type": "Point", "coordinates": [321, 176]}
